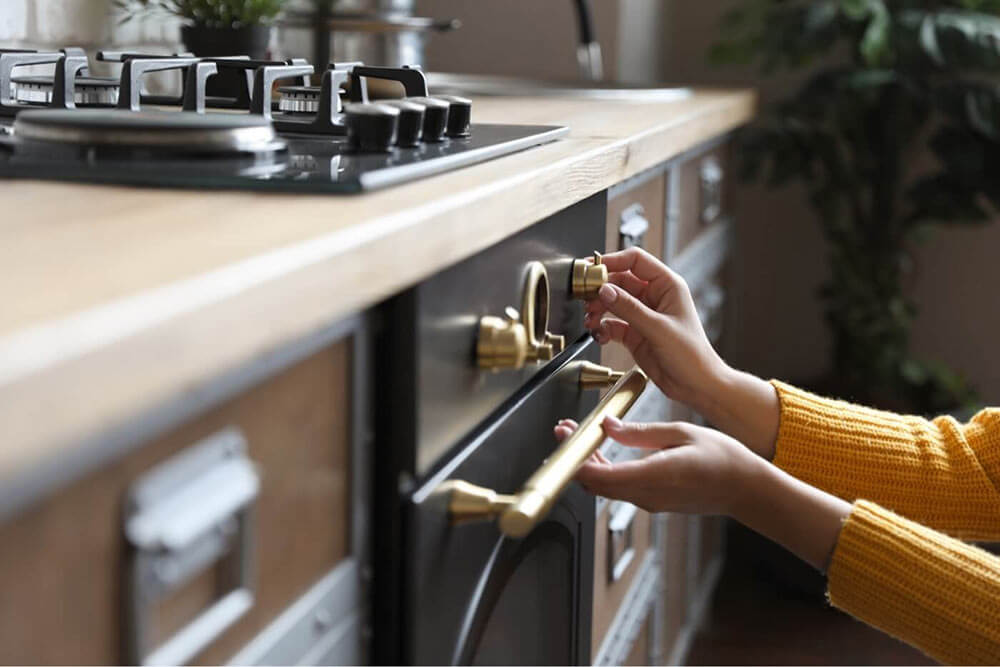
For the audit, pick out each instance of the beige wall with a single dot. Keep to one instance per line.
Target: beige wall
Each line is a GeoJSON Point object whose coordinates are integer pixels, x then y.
{"type": "Point", "coordinates": [539, 37]}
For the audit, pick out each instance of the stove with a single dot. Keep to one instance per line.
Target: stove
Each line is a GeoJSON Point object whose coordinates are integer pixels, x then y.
{"type": "Point", "coordinates": [273, 129]}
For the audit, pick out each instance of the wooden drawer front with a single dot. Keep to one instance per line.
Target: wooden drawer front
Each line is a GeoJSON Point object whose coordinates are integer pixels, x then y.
{"type": "Point", "coordinates": [700, 186]}
{"type": "Point", "coordinates": [63, 563]}
{"type": "Point", "coordinates": [608, 592]}
{"type": "Point", "coordinates": [675, 580]}
{"type": "Point", "coordinates": [640, 654]}
{"type": "Point", "coordinates": [648, 202]}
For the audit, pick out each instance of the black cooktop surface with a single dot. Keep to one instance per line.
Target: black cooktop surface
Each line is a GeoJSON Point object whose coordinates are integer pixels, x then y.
{"type": "Point", "coordinates": [320, 164]}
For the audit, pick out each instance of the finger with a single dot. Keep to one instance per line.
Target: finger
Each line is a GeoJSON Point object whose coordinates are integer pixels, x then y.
{"type": "Point", "coordinates": [639, 262]}
{"type": "Point", "coordinates": [601, 458]}
{"type": "Point", "coordinates": [662, 279]}
{"type": "Point", "coordinates": [628, 282]}
{"type": "Point", "coordinates": [562, 432]}
{"type": "Point", "coordinates": [627, 307]}
{"type": "Point", "coordinates": [613, 480]}
{"type": "Point", "coordinates": [648, 435]}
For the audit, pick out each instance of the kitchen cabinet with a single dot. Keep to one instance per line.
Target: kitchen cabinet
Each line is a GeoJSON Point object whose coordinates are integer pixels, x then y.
{"type": "Point", "coordinates": [263, 512]}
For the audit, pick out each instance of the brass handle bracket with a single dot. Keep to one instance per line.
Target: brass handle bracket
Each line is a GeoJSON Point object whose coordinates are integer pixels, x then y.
{"type": "Point", "coordinates": [518, 514]}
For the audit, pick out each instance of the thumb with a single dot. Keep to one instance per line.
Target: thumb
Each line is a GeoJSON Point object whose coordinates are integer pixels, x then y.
{"type": "Point", "coordinates": [619, 302]}
{"type": "Point", "coordinates": [645, 435]}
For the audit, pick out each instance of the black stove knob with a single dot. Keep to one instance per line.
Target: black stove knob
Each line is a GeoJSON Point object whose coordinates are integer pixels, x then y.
{"type": "Point", "coordinates": [459, 115]}
{"type": "Point", "coordinates": [372, 128]}
{"type": "Point", "coordinates": [435, 117]}
{"type": "Point", "coordinates": [411, 122]}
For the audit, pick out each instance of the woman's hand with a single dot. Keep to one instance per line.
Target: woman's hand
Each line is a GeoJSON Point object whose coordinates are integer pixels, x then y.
{"type": "Point", "coordinates": [654, 316]}
{"type": "Point", "coordinates": [649, 309]}
{"type": "Point", "coordinates": [694, 470]}
{"type": "Point", "coordinates": [697, 470]}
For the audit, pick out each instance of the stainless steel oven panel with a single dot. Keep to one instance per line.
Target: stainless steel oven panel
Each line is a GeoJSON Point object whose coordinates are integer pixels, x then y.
{"type": "Point", "coordinates": [452, 394]}
{"type": "Point", "coordinates": [472, 596]}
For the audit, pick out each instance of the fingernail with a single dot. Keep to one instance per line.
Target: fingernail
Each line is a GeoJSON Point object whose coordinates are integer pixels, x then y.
{"type": "Point", "coordinates": [612, 422]}
{"type": "Point", "coordinates": [607, 293]}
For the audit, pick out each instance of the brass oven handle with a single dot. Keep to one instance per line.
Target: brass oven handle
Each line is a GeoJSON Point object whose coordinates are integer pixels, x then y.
{"type": "Point", "coordinates": [519, 513]}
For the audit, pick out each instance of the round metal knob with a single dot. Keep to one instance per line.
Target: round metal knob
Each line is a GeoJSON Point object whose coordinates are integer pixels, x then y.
{"type": "Point", "coordinates": [435, 117]}
{"type": "Point", "coordinates": [411, 122]}
{"type": "Point", "coordinates": [372, 128]}
{"type": "Point", "coordinates": [502, 343]}
{"type": "Point", "coordinates": [459, 115]}
{"type": "Point", "coordinates": [588, 277]}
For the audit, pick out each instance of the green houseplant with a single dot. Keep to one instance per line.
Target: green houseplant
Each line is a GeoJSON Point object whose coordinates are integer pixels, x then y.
{"type": "Point", "coordinates": [214, 27]}
{"type": "Point", "coordinates": [890, 82]}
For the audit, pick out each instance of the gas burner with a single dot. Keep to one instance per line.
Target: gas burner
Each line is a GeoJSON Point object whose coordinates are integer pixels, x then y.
{"type": "Point", "coordinates": [146, 133]}
{"type": "Point", "coordinates": [299, 99]}
{"type": "Point", "coordinates": [90, 91]}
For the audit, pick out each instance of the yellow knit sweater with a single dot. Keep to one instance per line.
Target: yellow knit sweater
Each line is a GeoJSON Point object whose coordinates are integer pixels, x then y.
{"type": "Point", "coordinates": [901, 574]}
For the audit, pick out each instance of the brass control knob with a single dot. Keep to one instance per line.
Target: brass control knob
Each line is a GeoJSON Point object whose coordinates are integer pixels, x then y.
{"type": "Point", "coordinates": [502, 343]}
{"type": "Point", "coordinates": [594, 376]}
{"type": "Point", "coordinates": [588, 277]}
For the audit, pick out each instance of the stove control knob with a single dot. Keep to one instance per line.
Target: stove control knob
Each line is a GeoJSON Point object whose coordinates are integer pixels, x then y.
{"type": "Point", "coordinates": [372, 128]}
{"type": "Point", "coordinates": [459, 115]}
{"type": "Point", "coordinates": [503, 343]}
{"type": "Point", "coordinates": [589, 275]}
{"type": "Point", "coordinates": [411, 122]}
{"type": "Point", "coordinates": [435, 117]}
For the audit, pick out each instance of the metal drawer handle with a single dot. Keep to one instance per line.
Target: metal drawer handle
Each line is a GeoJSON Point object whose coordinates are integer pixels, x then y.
{"type": "Point", "coordinates": [632, 227]}
{"type": "Point", "coordinates": [186, 515]}
{"type": "Point", "coordinates": [621, 540]}
{"type": "Point", "coordinates": [711, 178]}
{"type": "Point", "coordinates": [519, 513]}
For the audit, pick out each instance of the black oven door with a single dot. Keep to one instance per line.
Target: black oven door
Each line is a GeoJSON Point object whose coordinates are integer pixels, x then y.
{"type": "Point", "coordinates": [472, 596]}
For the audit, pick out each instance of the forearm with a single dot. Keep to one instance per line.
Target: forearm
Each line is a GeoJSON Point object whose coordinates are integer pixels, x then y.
{"type": "Point", "coordinates": [743, 406]}
{"type": "Point", "coordinates": [801, 518]}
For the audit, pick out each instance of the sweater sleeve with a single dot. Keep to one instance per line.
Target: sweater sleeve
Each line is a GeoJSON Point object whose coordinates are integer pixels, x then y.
{"type": "Point", "coordinates": [925, 588]}
{"type": "Point", "coordinates": [940, 473]}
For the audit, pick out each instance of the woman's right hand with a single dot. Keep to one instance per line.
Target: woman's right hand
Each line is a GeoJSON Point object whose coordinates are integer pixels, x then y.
{"type": "Point", "coordinates": [649, 309]}
{"type": "Point", "coordinates": [654, 316]}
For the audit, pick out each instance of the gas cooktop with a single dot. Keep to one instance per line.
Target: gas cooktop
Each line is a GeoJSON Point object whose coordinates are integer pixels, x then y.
{"type": "Point", "coordinates": [238, 123]}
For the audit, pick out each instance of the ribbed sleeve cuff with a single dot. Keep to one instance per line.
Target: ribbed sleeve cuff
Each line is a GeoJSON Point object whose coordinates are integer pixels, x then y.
{"type": "Point", "coordinates": [807, 421]}
{"type": "Point", "coordinates": [929, 590]}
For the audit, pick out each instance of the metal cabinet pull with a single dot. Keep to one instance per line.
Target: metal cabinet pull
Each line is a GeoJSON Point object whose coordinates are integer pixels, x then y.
{"type": "Point", "coordinates": [520, 513]}
{"type": "Point", "coordinates": [711, 178]}
{"type": "Point", "coordinates": [621, 540]}
{"type": "Point", "coordinates": [184, 516]}
{"type": "Point", "coordinates": [632, 227]}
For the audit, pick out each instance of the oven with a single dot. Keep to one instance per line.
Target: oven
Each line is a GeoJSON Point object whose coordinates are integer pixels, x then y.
{"type": "Point", "coordinates": [466, 570]}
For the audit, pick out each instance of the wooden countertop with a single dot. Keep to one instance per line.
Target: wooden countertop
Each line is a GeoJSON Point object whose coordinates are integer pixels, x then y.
{"type": "Point", "coordinates": [118, 300]}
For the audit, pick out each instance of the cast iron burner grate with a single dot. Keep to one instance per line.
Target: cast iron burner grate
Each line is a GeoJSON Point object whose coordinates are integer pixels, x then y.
{"type": "Point", "coordinates": [275, 130]}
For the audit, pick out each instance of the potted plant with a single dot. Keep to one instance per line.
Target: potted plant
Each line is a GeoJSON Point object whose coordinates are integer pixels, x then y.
{"type": "Point", "coordinates": [214, 28]}
{"type": "Point", "coordinates": [895, 131]}
{"type": "Point", "coordinates": [891, 82]}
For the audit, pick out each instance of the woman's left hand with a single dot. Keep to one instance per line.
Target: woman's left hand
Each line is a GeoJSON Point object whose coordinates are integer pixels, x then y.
{"type": "Point", "coordinates": [694, 469]}
{"type": "Point", "coordinates": [698, 470]}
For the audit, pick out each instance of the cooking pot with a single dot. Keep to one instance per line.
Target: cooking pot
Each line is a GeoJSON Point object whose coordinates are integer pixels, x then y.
{"type": "Point", "coordinates": [382, 32]}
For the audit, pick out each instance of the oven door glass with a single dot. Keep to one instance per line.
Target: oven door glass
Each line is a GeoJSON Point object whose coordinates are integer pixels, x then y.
{"type": "Point", "coordinates": [475, 597]}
